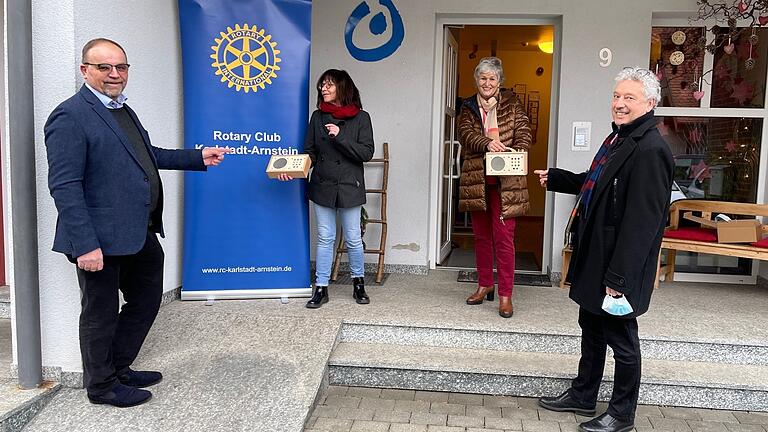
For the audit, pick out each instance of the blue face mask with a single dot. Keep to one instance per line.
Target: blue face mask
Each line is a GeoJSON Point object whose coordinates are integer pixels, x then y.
{"type": "Point", "coordinates": [618, 306]}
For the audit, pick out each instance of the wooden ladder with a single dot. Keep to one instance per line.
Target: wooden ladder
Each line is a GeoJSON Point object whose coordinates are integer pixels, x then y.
{"type": "Point", "coordinates": [341, 248]}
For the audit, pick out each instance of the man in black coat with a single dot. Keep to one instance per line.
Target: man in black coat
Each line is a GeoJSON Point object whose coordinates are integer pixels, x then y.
{"type": "Point", "coordinates": [616, 231]}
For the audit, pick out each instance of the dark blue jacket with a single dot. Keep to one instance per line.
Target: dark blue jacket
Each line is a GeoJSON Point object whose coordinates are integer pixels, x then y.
{"type": "Point", "coordinates": [99, 187]}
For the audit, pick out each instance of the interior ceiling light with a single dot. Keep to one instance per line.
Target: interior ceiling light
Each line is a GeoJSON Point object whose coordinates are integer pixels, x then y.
{"type": "Point", "coordinates": [547, 47]}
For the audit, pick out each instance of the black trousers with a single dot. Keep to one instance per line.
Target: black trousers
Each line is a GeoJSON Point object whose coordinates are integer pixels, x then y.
{"type": "Point", "coordinates": [110, 341]}
{"type": "Point", "coordinates": [598, 332]}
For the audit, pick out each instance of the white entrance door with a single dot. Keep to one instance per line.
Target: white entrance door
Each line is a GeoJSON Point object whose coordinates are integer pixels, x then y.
{"type": "Point", "coordinates": [451, 147]}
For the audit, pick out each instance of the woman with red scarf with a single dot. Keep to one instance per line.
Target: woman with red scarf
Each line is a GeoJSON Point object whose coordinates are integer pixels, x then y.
{"type": "Point", "coordinates": [339, 139]}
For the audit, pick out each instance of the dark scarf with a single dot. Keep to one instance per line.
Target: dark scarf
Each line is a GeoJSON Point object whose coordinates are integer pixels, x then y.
{"type": "Point", "coordinates": [598, 163]}
{"type": "Point", "coordinates": [339, 112]}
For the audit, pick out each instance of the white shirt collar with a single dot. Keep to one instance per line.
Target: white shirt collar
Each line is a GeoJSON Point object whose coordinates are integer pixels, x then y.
{"type": "Point", "coordinates": [108, 101]}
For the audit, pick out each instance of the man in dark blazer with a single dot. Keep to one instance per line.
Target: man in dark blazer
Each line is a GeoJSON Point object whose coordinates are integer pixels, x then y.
{"type": "Point", "coordinates": [103, 176]}
{"type": "Point", "coordinates": [616, 231]}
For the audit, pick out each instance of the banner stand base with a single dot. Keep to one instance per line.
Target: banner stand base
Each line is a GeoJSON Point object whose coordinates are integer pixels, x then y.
{"type": "Point", "coordinates": [277, 293]}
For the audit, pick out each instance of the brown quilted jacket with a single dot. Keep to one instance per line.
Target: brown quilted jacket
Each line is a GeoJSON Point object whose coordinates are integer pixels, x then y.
{"type": "Point", "coordinates": [515, 132]}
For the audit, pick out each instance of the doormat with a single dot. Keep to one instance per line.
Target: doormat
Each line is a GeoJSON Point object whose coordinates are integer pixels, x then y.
{"type": "Point", "coordinates": [470, 276]}
{"type": "Point", "coordinates": [370, 279]}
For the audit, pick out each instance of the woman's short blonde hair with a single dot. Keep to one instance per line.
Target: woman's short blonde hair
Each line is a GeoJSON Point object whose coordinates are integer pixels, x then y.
{"type": "Point", "coordinates": [490, 64]}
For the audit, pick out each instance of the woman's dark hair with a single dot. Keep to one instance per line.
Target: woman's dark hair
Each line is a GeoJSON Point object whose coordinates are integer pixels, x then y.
{"type": "Point", "coordinates": [346, 91]}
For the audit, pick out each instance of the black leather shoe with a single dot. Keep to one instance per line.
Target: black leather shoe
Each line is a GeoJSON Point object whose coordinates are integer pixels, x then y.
{"type": "Point", "coordinates": [606, 423]}
{"type": "Point", "coordinates": [358, 291]}
{"type": "Point", "coordinates": [319, 297]}
{"type": "Point", "coordinates": [566, 403]}
{"type": "Point", "coordinates": [139, 379]}
{"type": "Point", "coordinates": [122, 396]}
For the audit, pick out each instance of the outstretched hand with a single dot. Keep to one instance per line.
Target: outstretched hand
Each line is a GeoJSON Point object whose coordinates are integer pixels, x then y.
{"type": "Point", "coordinates": [213, 156]}
{"type": "Point", "coordinates": [543, 174]}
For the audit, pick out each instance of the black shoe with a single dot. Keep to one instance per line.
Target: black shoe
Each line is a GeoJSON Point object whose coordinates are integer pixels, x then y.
{"type": "Point", "coordinates": [319, 297]}
{"type": "Point", "coordinates": [606, 423]}
{"type": "Point", "coordinates": [139, 379]}
{"type": "Point", "coordinates": [122, 396]}
{"type": "Point", "coordinates": [358, 291]}
{"type": "Point", "coordinates": [566, 403]}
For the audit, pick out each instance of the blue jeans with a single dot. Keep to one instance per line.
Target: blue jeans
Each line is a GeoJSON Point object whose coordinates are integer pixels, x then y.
{"type": "Point", "coordinates": [326, 238]}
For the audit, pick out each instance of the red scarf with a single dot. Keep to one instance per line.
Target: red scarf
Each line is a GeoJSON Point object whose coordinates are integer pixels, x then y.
{"type": "Point", "coordinates": [339, 112]}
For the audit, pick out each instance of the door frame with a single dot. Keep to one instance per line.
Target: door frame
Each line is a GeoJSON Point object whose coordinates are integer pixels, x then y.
{"type": "Point", "coordinates": [436, 148]}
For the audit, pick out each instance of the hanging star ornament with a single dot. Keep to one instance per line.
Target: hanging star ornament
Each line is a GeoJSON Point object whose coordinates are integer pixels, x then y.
{"type": "Point", "coordinates": [743, 92]}
{"type": "Point", "coordinates": [731, 146]}
{"type": "Point", "coordinates": [701, 170]}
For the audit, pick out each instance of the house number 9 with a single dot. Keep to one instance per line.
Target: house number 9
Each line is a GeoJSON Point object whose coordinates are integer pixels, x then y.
{"type": "Point", "coordinates": [606, 56]}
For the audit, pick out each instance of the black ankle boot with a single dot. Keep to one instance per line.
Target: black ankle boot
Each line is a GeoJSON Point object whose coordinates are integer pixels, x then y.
{"type": "Point", "coordinates": [319, 297]}
{"type": "Point", "coordinates": [358, 291]}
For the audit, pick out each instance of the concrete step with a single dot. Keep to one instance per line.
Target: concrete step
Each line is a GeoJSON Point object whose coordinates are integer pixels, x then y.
{"type": "Point", "coordinates": [532, 374]}
{"type": "Point", "coordinates": [19, 407]}
{"type": "Point", "coordinates": [5, 302]}
{"type": "Point", "coordinates": [656, 348]}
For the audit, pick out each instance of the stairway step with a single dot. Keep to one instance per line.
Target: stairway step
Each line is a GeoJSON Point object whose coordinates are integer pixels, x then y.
{"type": "Point", "coordinates": [694, 351]}
{"type": "Point", "coordinates": [531, 374]}
{"type": "Point", "coordinates": [5, 302]}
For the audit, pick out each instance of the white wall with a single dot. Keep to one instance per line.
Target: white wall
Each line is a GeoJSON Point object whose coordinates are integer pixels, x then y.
{"type": "Point", "coordinates": [398, 90]}
{"type": "Point", "coordinates": [148, 30]}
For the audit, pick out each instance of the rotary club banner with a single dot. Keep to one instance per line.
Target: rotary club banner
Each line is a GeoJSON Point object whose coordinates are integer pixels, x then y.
{"type": "Point", "coordinates": [246, 67]}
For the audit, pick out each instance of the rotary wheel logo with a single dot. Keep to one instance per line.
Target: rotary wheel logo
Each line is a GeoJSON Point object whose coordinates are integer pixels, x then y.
{"type": "Point", "coordinates": [245, 58]}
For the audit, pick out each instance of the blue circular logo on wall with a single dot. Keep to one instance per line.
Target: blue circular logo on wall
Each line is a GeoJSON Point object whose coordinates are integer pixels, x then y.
{"type": "Point", "coordinates": [377, 26]}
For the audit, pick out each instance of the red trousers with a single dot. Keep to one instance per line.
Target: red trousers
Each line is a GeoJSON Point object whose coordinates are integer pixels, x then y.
{"type": "Point", "coordinates": [494, 235]}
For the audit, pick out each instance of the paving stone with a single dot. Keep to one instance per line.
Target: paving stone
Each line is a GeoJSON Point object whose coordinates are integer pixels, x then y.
{"type": "Point", "coordinates": [325, 411]}
{"type": "Point", "coordinates": [397, 394]}
{"type": "Point", "coordinates": [483, 411]}
{"type": "Point", "coordinates": [342, 401]}
{"type": "Point", "coordinates": [466, 421]}
{"type": "Point", "coordinates": [447, 408]}
{"type": "Point", "coordinates": [569, 427]}
{"type": "Point", "coordinates": [465, 399]}
{"type": "Point", "coordinates": [678, 425]}
{"type": "Point", "coordinates": [648, 411]}
{"type": "Point", "coordinates": [355, 414]}
{"type": "Point", "coordinates": [706, 426]}
{"type": "Point", "coordinates": [540, 426]}
{"type": "Point", "coordinates": [520, 413]}
{"type": "Point", "coordinates": [751, 417]}
{"type": "Point", "coordinates": [407, 428]}
{"type": "Point", "coordinates": [562, 417]}
{"type": "Point", "coordinates": [500, 401]}
{"type": "Point", "coordinates": [432, 396]}
{"type": "Point", "coordinates": [738, 427]}
{"type": "Point", "coordinates": [433, 428]}
{"type": "Point", "coordinates": [412, 406]}
{"type": "Point", "coordinates": [643, 422]}
{"type": "Point", "coordinates": [504, 423]}
{"type": "Point", "coordinates": [483, 430]}
{"type": "Point", "coordinates": [392, 416]}
{"type": "Point", "coordinates": [377, 404]}
{"type": "Point", "coordinates": [680, 413]}
{"type": "Point", "coordinates": [337, 390]}
{"type": "Point", "coordinates": [333, 425]}
{"type": "Point", "coordinates": [524, 402]}
{"type": "Point", "coordinates": [369, 426]}
{"type": "Point", "coordinates": [364, 392]}
{"type": "Point", "coordinates": [717, 415]}
{"type": "Point", "coordinates": [429, 418]}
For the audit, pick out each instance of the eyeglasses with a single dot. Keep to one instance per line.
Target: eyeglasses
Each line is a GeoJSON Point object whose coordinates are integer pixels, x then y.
{"type": "Point", "coordinates": [326, 84]}
{"type": "Point", "coordinates": [107, 68]}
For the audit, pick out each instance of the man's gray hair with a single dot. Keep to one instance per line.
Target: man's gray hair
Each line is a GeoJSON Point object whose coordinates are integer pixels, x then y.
{"type": "Point", "coordinates": [649, 80]}
{"type": "Point", "coordinates": [490, 64]}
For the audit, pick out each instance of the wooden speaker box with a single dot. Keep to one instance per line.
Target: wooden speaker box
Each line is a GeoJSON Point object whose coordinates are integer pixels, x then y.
{"type": "Point", "coordinates": [296, 166]}
{"type": "Point", "coordinates": [506, 163]}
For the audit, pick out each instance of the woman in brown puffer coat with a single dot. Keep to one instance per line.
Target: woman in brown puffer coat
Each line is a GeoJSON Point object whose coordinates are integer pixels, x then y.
{"type": "Point", "coordinates": [492, 120]}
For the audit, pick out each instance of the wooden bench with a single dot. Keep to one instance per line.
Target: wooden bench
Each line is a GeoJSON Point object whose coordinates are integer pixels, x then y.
{"type": "Point", "coordinates": [706, 210]}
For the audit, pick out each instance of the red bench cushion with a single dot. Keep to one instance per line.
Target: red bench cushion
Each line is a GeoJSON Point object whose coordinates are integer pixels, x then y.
{"type": "Point", "coordinates": [693, 233]}
{"type": "Point", "coordinates": [762, 243]}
